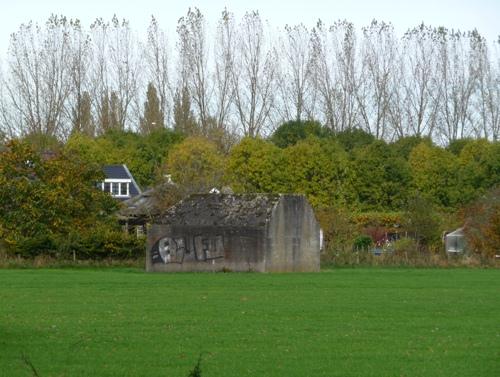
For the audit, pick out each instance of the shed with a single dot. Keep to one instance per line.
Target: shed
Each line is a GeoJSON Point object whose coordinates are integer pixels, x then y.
{"type": "Point", "coordinates": [455, 241]}
{"type": "Point", "coordinates": [250, 232]}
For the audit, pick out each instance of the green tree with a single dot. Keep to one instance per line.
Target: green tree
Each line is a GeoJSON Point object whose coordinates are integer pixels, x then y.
{"type": "Point", "coordinates": [256, 165]}
{"type": "Point", "coordinates": [479, 162]}
{"type": "Point", "coordinates": [143, 154]}
{"type": "Point", "coordinates": [435, 175]}
{"type": "Point", "coordinates": [108, 115]}
{"type": "Point", "coordinates": [354, 137]}
{"type": "Point", "coordinates": [153, 117]}
{"type": "Point", "coordinates": [98, 150]}
{"type": "Point", "coordinates": [381, 177]}
{"type": "Point", "coordinates": [82, 116]}
{"type": "Point", "coordinates": [184, 120]}
{"type": "Point", "coordinates": [41, 142]}
{"type": "Point", "coordinates": [421, 220]}
{"type": "Point", "coordinates": [114, 108]}
{"type": "Point", "coordinates": [321, 171]}
{"type": "Point", "coordinates": [104, 114]}
{"type": "Point", "coordinates": [404, 145]}
{"type": "Point", "coordinates": [456, 146]}
{"type": "Point", "coordinates": [291, 132]}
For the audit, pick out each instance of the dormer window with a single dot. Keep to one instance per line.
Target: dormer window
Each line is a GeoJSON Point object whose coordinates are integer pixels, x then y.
{"type": "Point", "coordinates": [118, 188]}
{"type": "Point", "coordinates": [119, 182]}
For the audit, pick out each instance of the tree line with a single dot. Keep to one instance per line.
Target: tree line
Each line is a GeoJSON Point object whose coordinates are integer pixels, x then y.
{"type": "Point", "coordinates": [359, 185]}
{"type": "Point", "coordinates": [242, 77]}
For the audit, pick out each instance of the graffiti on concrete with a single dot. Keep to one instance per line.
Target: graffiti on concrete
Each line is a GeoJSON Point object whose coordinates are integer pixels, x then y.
{"type": "Point", "coordinates": [181, 249]}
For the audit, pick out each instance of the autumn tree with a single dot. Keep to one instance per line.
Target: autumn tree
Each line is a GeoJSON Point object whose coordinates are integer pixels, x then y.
{"type": "Point", "coordinates": [195, 165]}
{"type": "Point", "coordinates": [482, 224]}
{"type": "Point", "coordinates": [48, 197]}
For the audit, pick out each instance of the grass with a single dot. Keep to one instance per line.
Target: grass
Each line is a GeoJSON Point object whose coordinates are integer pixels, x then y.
{"type": "Point", "coordinates": [344, 322]}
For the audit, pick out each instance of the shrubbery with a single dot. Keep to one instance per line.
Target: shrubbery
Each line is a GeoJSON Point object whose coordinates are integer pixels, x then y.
{"type": "Point", "coordinates": [97, 245]}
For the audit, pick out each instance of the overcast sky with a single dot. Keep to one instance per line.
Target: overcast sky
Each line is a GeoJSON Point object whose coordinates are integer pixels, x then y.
{"type": "Point", "coordinates": [403, 14]}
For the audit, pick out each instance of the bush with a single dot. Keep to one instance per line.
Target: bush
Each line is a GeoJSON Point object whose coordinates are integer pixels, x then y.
{"type": "Point", "coordinates": [405, 246]}
{"type": "Point", "coordinates": [362, 242]}
{"type": "Point", "coordinates": [41, 244]}
{"type": "Point", "coordinates": [99, 245]}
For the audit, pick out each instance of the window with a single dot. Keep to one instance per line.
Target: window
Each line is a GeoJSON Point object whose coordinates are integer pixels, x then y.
{"type": "Point", "coordinates": [124, 189]}
{"type": "Point", "coordinates": [117, 188]}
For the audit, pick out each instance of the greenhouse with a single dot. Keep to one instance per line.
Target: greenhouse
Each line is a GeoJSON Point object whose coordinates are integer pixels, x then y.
{"type": "Point", "coordinates": [455, 242]}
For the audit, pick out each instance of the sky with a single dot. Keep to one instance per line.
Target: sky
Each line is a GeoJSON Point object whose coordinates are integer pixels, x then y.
{"type": "Point", "coordinates": [403, 14]}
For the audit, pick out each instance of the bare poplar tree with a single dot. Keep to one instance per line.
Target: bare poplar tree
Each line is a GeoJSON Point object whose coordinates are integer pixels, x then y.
{"type": "Point", "coordinates": [348, 79]}
{"type": "Point", "coordinates": [9, 122]}
{"type": "Point", "coordinates": [80, 104]}
{"type": "Point", "coordinates": [99, 73]}
{"type": "Point", "coordinates": [487, 98]}
{"type": "Point", "coordinates": [37, 86]}
{"type": "Point", "coordinates": [416, 98]}
{"type": "Point", "coordinates": [457, 82]}
{"type": "Point", "coordinates": [224, 65]}
{"type": "Point", "coordinates": [295, 74]}
{"type": "Point", "coordinates": [124, 71]}
{"type": "Point", "coordinates": [378, 54]}
{"type": "Point", "coordinates": [336, 74]}
{"type": "Point", "coordinates": [323, 75]}
{"type": "Point", "coordinates": [253, 76]}
{"type": "Point", "coordinates": [193, 58]}
{"type": "Point", "coordinates": [157, 62]}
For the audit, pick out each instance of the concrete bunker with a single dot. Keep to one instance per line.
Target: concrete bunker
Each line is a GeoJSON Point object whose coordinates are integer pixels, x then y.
{"type": "Point", "coordinates": [249, 232]}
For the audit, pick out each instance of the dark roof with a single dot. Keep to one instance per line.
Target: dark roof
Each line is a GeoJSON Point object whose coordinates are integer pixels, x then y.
{"type": "Point", "coordinates": [116, 172]}
{"type": "Point", "coordinates": [250, 210]}
{"type": "Point", "coordinates": [122, 172]}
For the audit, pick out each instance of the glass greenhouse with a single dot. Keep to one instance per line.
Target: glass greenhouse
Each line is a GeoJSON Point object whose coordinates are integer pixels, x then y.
{"type": "Point", "coordinates": [455, 242]}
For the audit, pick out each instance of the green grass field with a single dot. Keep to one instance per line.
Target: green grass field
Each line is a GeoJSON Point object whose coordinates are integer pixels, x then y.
{"type": "Point", "coordinates": [345, 322]}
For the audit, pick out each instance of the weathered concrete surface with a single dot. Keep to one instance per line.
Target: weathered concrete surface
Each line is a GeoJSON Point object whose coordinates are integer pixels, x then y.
{"type": "Point", "coordinates": [235, 232]}
{"type": "Point", "coordinates": [293, 236]}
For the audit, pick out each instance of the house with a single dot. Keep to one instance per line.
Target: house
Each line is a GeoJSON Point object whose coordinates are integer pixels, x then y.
{"type": "Point", "coordinates": [455, 242]}
{"type": "Point", "coordinates": [250, 232]}
{"type": "Point", "coordinates": [119, 182]}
